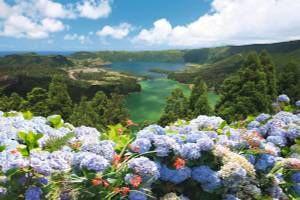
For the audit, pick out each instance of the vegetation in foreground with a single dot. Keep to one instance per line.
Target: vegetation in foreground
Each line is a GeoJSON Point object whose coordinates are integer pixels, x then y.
{"type": "Point", "coordinates": [205, 158]}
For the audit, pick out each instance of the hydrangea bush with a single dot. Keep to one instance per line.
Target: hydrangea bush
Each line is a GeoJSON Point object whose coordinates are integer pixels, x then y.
{"type": "Point", "coordinates": [205, 158]}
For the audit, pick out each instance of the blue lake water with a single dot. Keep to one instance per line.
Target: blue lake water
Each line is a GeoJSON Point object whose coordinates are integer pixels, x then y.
{"type": "Point", "coordinates": [142, 68]}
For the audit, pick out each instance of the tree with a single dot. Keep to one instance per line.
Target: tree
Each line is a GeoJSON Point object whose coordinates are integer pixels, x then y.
{"type": "Point", "coordinates": [176, 108]}
{"type": "Point", "coordinates": [84, 114]}
{"type": "Point", "coordinates": [270, 71]}
{"type": "Point", "coordinates": [38, 101]}
{"type": "Point", "coordinates": [289, 81]}
{"type": "Point", "coordinates": [16, 102]}
{"type": "Point", "coordinates": [3, 102]}
{"type": "Point", "coordinates": [246, 92]}
{"type": "Point", "coordinates": [116, 111]}
{"type": "Point", "coordinates": [100, 104]}
{"type": "Point", "coordinates": [58, 97]}
{"type": "Point", "coordinates": [198, 101]}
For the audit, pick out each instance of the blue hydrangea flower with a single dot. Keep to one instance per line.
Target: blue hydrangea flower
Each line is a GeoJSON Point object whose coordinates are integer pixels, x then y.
{"type": "Point", "coordinates": [156, 129]}
{"type": "Point", "coordinates": [265, 162]}
{"type": "Point", "coordinates": [262, 117]}
{"type": "Point", "coordinates": [286, 117]}
{"type": "Point", "coordinates": [174, 176]}
{"type": "Point", "coordinates": [293, 132]}
{"type": "Point", "coordinates": [184, 130]}
{"type": "Point", "coordinates": [283, 98]}
{"type": "Point", "coordinates": [164, 145]}
{"type": "Point", "coordinates": [253, 124]}
{"type": "Point", "coordinates": [141, 145]}
{"type": "Point", "coordinates": [190, 151]}
{"type": "Point", "coordinates": [33, 193]}
{"type": "Point", "coordinates": [137, 195]}
{"type": "Point", "coordinates": [297, 103]}
{"type": "Point", "coordinates": [296, 177]}
{"type": "Point", "coordinates": [275, 192]}
{"type": "Point", "coordinates": [250, 158]}
{"type": "Point", "coordinates": [94, 162]}
{"type": "Point", "coordinates": [43, 181]}
{"type": "Point", "coordinates": [208, 178]}
{"type": "Point", "coordinates": [144, 167]}
{"type": "Point", "coordinates": [278, 140]}
{"type": "Point", "coordinates": [103, 148]}
{"type": "Point", "coordinates": [296, 189]}
{"type": "Point", "coordinates": [194, 136]}
{"type": "Point", "coordinates": [205, 144]}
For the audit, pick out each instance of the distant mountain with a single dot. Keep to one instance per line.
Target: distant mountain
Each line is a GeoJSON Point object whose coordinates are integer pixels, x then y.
{"type": "Point", "coordinates": [215, 64]}
{"type": "Point", "coordinates": [134, 56]}
{"type": "Point", "coordinates": [34, 60]}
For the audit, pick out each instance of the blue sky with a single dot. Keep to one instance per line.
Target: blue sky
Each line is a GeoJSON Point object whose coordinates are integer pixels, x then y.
{"type": "Point", "coordinates": [61, 25]}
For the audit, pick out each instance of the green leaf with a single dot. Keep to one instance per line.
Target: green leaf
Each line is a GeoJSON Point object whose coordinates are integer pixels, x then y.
{"type": "Point", "coordinates": [297, 141]}
{"type": "Point", "coordinates": [10, 114]}
{"type": "Point", "coordinates": [56, 143]}
{"type": "Point", "coordinates": [12, 172]}
{"type": "Point", "coordinates": [117, 134]}
{"type": "Point", "coordinates": [223, 124]}
{"type": "Point", "coordinates": [22, 135]}
{"type": "Point", "coordinates": [30, 139]}
{"type": "Point", "coordinates": [285, 151]}
{"type": "Point", "coordinates": [56, 121]}
{"type": "Point", "coordinates": [2, 148]}
{"type": "Point", "coordinates": [23, 150]}
{"type": "Point", "coordinates": [250, 118]}
{"type": "Point", "coordinates": [228, 134]}
{"type": "Point", "coordinates": [27, 115]}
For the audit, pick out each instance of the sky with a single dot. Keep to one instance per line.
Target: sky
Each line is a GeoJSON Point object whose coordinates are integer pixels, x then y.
{"type": "Point", "coordinates": [90, 25]}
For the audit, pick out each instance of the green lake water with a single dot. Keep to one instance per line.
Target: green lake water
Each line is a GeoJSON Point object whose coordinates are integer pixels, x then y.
{"type": "Point", "coordinates": [148, 104]}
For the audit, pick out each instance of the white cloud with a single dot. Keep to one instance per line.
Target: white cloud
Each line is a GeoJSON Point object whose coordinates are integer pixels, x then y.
{"type": "Point", "coordinates": [36, 19]}
{"type": "Point", "coordinates": [81, 38]}
{"type": "Point", "coordinates": [4, 9]}
{"type": "Point", "coordinates": [117, 32]}
{"type": "Point", "coordinates": [231, 22]}
{"type": "Point", "coordinates": [53, 9]}
{"type": "Point", "coordinates": [20, 26]}
{"type": "Point", "coordinates": [94, 9]}
{"type": "Point", "coordinates": [31, 19]}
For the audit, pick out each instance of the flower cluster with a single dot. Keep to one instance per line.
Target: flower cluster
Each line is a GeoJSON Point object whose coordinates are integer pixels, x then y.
{"type": "Point", "coordinates": [258, 158]}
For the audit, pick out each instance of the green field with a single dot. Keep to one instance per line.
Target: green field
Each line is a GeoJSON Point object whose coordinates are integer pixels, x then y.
{"type": "Point", "coordinates": [148, 104]}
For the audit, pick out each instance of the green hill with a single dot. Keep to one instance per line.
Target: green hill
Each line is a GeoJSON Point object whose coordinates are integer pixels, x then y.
{"type": "Point", "coordinates": [21, 73]}
{"type": "Point", "coordinates": [34, 60]}
{"type": "Point", "coordinates": [117, 56]}
{"type": "Point", "coordinates": [215, 64]}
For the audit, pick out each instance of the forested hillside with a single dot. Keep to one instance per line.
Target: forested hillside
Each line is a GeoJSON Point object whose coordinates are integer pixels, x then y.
{"type": "Point", "coordinates": [21, 73]}
{"type": "Point", "coordinates": [215, 64]}
{"type": "Point", "coordinates": [34, 60]}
